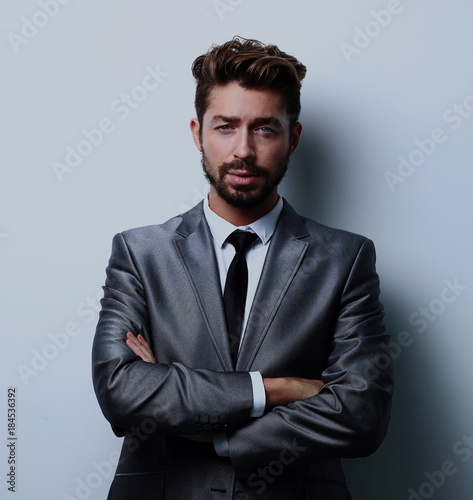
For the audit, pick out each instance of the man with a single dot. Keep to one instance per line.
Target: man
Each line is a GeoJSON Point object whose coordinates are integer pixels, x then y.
{"type": "Point", "coordinates": [241, 370]}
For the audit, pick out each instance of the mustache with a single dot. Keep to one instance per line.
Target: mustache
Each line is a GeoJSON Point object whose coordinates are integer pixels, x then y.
{"type": "Point", "coordinates": [243, 165]}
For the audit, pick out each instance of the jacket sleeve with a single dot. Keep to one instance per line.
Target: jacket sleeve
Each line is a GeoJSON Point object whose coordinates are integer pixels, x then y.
{"type": "Point", "coordinates": [171, 398]}
{"type": "Point", "coordinates": [349, 417]}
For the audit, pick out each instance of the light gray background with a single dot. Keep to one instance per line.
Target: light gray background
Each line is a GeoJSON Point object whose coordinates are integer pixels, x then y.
{"type": "Point", "coordinates": [360, 113]}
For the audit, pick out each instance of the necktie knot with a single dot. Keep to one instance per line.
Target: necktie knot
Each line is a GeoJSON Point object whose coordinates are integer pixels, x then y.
{"type": "Point", "coordinates": [241, 240]}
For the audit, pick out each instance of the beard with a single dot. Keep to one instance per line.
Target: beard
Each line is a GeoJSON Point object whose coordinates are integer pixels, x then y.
{"type": "Point", "coordinates": [245, 196]}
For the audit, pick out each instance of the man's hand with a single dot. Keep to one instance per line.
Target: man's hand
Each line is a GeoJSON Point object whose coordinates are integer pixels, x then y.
{"type": "Point", "coordinates": [285, 390]}
{"type": "Point", "coordinates": [279, 391]}
{"type": "Point", "coordinates": [140, 347]}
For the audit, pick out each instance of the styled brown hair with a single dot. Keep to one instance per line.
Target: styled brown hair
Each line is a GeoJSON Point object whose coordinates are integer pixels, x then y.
{"type": "Point", "coordinates": [252, 65]}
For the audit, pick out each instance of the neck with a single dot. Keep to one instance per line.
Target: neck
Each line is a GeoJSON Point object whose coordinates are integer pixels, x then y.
{"type": "Point", "coordinates": [244, 215]}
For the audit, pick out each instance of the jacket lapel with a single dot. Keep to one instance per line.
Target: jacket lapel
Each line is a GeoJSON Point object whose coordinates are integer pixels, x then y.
{"type": "Point", "coordinates": [195, 249]}
{"type": "Point", "coordinates": [285, 254]}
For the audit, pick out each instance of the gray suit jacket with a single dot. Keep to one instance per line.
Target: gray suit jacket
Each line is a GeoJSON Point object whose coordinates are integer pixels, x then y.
{"type": "Point", "coordinates": [316, 314]}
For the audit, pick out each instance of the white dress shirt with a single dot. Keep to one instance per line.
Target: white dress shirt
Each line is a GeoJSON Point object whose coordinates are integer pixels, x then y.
{"type": "Point", "coordinates": [255, 257]}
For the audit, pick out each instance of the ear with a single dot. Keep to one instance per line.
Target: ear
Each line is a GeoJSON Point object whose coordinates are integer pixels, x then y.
{"type": "Point", "coordinates": [195, 130]}
{"type": "Point", "coordinates": [296, 136]}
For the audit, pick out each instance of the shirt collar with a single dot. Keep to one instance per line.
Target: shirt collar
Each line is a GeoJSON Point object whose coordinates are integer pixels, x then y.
{"type": "Point", "coordinates": [263, 227]}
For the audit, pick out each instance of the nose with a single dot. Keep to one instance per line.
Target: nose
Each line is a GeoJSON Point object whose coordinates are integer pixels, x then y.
{"type": "Point", "coordinates": [244, 147]}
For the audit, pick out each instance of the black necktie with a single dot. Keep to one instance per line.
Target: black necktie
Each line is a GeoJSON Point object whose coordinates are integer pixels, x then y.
{"type": "Point", "coordinates": [236, 285]}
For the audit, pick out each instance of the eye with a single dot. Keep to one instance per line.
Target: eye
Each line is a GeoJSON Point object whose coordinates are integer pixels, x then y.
{"type": "Point", "coordinates": [266, 130]}
{"type": "Point", "coordinates": [224, 128]}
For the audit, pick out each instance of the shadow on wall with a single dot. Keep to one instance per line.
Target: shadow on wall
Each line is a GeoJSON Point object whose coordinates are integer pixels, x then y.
{"type": "Point", "coordinates": [319, 182]}
{"type": "Point", "coordinates": [311, 181]}
{"type": "Point", "coordinates": [316, 186]}
{"type": "Point", "coordinates": [420, 439]}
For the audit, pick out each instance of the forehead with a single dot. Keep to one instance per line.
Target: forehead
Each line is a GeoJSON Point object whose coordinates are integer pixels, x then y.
{"type": "Point", "coordinates": [234, 100]}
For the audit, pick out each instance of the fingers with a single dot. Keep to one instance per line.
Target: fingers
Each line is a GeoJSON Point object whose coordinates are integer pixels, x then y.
{"type": "Point", "coordinates": [313, 387]}
{"type": "Point", "coordinates": [319, 385]}
{"type": "Point", "coordinates": [307, 388]}
{"type": "Point", "coordinates": [140, 347]}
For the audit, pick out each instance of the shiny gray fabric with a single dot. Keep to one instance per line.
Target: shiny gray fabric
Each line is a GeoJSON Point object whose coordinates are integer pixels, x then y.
{"type": "Point", "coordinates": [316, 314]}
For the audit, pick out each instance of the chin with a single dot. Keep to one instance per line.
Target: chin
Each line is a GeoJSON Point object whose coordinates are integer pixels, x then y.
{"type": "Point", "coordinates": [247, 199]}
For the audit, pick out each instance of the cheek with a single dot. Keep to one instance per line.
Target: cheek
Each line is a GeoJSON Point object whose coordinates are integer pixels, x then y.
{"type": "Point", "coordinates": [216, 150]}
{"type": "Point", "coordinates": [276, 152]}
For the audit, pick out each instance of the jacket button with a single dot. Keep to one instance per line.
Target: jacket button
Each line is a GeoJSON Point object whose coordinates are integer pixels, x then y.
{"type": "Point", "coordinates": [198, 427]}
{"type": "Point", "coordinates": [208, 428]}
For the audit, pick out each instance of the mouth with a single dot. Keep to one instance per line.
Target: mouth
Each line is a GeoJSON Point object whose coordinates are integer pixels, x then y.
{"type": "Point", "coordinates": [242, 177]}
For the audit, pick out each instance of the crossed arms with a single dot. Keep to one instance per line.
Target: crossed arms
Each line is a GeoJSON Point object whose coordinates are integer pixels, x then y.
{"type": "Point", "coordinates": [347, 418]}
{"type": "Point", "coordinates": [279, 390]}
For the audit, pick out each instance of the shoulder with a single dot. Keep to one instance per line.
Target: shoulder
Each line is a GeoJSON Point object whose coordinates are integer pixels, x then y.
{"type": "Point", "coordinates": [144, 233]}
{"type": "Point", "coordinates": [331, 236]}
{"type": "Point", "coordinates": [331, 239]}
{"type": "Point", "coordinates": [165, 233]}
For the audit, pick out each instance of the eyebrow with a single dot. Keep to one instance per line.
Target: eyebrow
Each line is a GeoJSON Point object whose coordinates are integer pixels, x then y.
{"type": "Point", "coordinates": [270, 120]}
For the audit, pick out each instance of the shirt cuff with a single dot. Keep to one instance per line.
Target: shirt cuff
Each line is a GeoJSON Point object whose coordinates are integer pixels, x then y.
{"type": "Point", "coordinates": [221, 444]}
{"type": "Point", "coordinates": [259, 395]}
{"type": "Point", "coordinates": [259, 404]}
